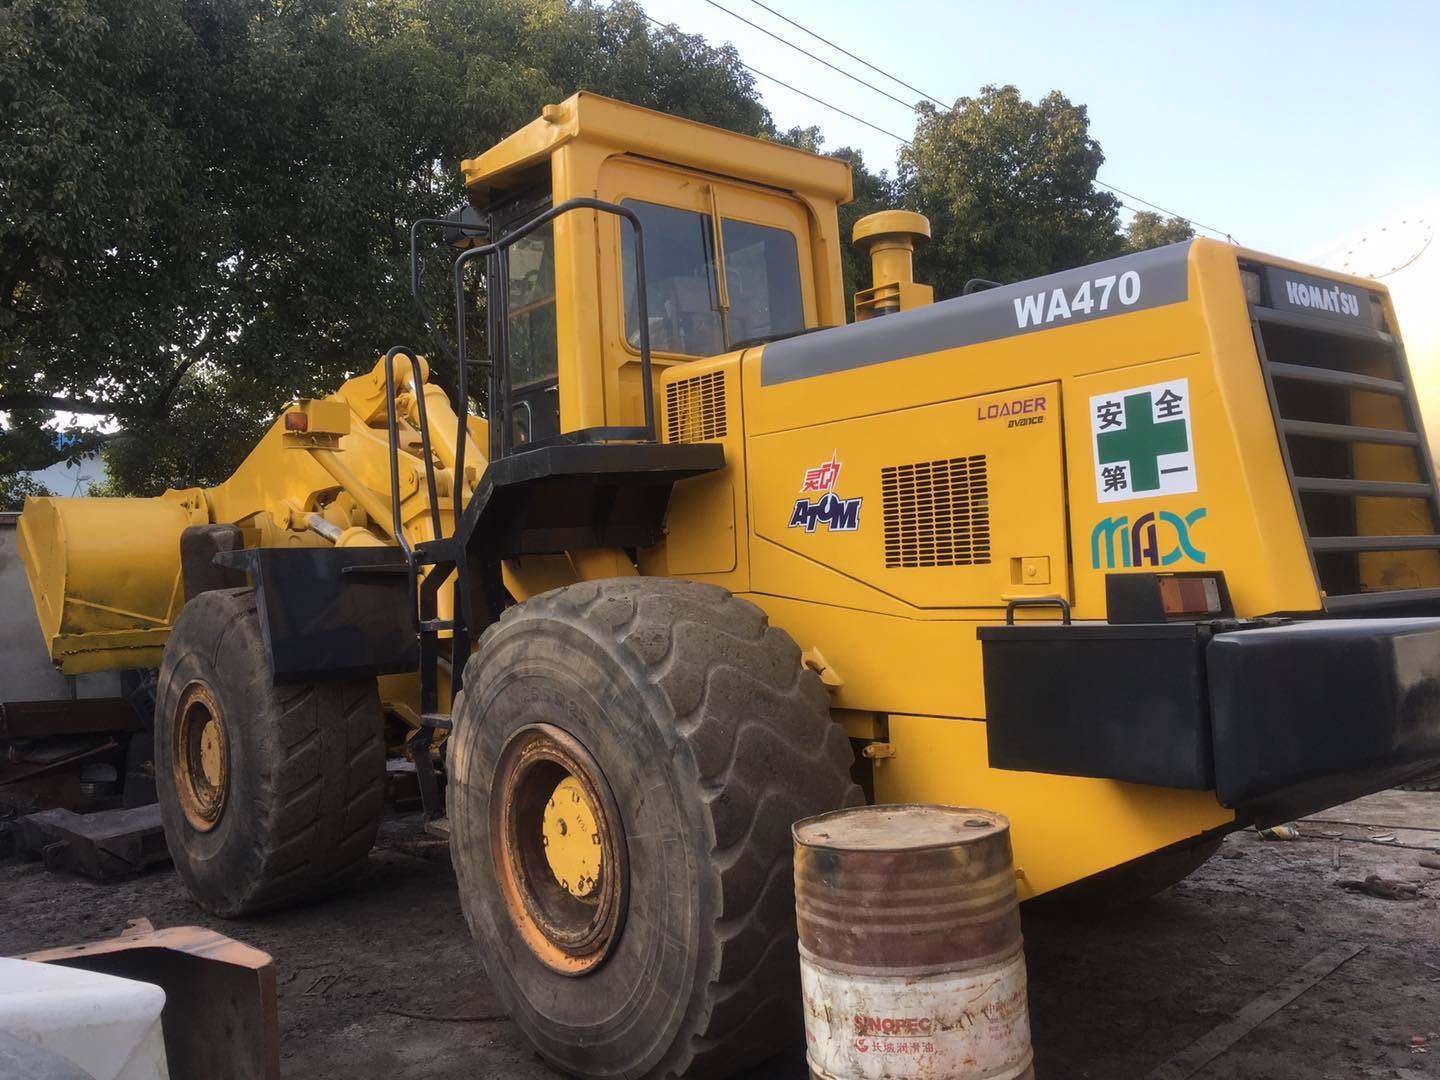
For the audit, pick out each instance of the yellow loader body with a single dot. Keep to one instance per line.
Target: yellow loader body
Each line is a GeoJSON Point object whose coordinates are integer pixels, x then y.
{"type": "Point", "coordinates": [889, 488]}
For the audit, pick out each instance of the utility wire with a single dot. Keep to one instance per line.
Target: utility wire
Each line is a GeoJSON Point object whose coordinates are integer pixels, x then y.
{"type": "Point", "coordinates": [931, 97]}
{"type": "Point", "coordinates": [793, 89]}
{"type": "Point", "coordinates": [871, 86]}
{"type": "Point", "coordinates": [1182, 217]}
{"type": "Point", "coordinates": [847, 52]}
{"type": "Point", "coordinates": [806, 52]}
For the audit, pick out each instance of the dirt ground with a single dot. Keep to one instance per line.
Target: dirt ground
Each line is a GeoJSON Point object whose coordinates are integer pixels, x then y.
{"type": "Point", "coordinates": [1112, 998]}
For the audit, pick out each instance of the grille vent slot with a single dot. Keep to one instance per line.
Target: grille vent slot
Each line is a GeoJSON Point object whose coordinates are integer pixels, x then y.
{"type": "Point", "coordinates": [695, 408]}
{"type": "Point", "coordinates": [937, 513]}
{"type": "Point", "coordinates": [1355, 451]}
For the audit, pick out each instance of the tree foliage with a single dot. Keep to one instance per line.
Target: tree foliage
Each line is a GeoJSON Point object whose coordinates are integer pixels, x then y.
{"type": "Point", "coordinates": [1009, 188]}
{"type": "Point", "coordinates": [15, 488]}
{"type": "Point", "coordinates": [205, 204]}
{"type": "Point", "coordinates": [1148, 229]}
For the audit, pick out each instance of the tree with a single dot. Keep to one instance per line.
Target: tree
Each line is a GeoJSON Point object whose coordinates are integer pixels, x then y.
{"type": "Point", "coordinates": [204, 205]}
{"type": "Point", "coordinates": [1149, 230]}
{"type": "Point", "coordinates": [16, 488]}
{"type": "Point", "coordinates": [1009, 188]}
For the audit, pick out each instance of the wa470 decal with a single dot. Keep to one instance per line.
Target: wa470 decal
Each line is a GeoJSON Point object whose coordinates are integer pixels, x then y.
{"type": "Point", "coordinates": [819, 506]}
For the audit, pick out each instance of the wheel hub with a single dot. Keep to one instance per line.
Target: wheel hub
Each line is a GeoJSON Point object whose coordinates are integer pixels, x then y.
{"type": "Point", "coordinates": [200, 756]}
{"type": "Point", "coordinates": [559, 849]}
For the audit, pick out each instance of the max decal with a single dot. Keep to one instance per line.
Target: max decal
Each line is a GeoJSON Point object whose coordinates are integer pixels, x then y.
{"type": "Point", "coordinates": [1161, 538]}
{"type": "Point", "coordinates": [829, 510]}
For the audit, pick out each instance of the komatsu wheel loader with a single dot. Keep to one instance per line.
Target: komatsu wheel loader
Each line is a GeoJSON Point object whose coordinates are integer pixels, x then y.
{"type": "Point", "coordinates": [1138, 553]}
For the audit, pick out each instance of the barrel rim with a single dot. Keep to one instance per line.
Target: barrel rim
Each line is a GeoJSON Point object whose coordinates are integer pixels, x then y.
{"type": "Point", "coordinates": [1000, 827]}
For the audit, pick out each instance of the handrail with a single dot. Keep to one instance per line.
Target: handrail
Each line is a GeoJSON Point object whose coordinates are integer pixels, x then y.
{"type": "Point", "coordinates": [393, 426]}
{"type": "Point", "coordinates": [500, 371]}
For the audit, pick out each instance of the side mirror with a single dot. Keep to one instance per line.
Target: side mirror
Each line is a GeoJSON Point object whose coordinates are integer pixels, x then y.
{"type": "Point", "coordinates": [465, 227]}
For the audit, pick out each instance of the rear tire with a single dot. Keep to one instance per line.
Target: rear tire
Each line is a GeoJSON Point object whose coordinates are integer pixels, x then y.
{"type": "Point", "coordinates": [270, 796]}
{"type": "Point", "coordinates": [1424, 783]}
{"type": "Point", "coordinates": [708, 739]}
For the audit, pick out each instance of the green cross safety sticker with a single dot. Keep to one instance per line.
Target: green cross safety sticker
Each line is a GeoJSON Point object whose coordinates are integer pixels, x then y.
{"type": "Point", "coordinates": [1143, 442]}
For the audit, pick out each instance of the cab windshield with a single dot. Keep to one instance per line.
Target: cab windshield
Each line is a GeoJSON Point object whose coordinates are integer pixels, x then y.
{"type": "Point", "coordinates": [684, 285]}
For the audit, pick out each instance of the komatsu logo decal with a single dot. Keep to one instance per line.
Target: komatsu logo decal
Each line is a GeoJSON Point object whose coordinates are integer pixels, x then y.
{"type": "Point", "coordinates": [830, 510]}
{"type": "Point", "coordinates": [1334, 299]}
{"type": "Point", "coordinates": [1123, 544]}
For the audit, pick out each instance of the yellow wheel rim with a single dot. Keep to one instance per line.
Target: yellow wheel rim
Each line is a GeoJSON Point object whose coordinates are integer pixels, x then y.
{"type": "Point", "coordinates": [572, 840]}
{"type": "Point", "coordinates": [559, 849]}
{"type": "Point", "coordinates": [200, 757]}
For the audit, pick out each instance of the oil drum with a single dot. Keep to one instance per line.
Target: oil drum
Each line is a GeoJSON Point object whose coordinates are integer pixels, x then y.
{"type": "Point", "coordinates": [910, 951]}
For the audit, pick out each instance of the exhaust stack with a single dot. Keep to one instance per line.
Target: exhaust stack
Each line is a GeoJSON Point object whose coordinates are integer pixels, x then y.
{"type": "Point", "coordinates": [891, 237]}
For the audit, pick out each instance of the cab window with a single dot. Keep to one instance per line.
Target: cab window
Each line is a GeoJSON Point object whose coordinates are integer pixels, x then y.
{"type": "Point", "coordinates": [534, 353]}
{"type": "Point", "coordinates": [761, 273]}
{"type": "Point", "coordinates": [682, 290]}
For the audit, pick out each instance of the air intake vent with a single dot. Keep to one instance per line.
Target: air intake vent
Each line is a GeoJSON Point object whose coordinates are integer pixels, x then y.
{"type": "Point", "coordinates": [695, 408]}
{"type": "Point", "coordinates": [937, 513]}
{"type": "Point", "coordinates": [1351, 438]}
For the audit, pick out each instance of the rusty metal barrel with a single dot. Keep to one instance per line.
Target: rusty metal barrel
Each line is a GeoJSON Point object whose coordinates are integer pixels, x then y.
{"type": "Point", "coordinates": [911, 962]}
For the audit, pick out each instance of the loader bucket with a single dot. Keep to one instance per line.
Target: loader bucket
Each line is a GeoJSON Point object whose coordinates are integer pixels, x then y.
{"type": "Point", "coordinates": [220, 1017]}
{"type": "Point", "coordinates": [105, 576]}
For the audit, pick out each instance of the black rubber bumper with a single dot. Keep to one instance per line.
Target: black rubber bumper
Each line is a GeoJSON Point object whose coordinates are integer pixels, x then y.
{"type": "Point", "coordinates": [1310, 714]}
{"type": "Point", "coordinates": [1279, 720]}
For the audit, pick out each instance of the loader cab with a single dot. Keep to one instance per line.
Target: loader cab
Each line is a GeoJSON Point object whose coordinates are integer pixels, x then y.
{"type": "Point", "coordinates": [741, 247]}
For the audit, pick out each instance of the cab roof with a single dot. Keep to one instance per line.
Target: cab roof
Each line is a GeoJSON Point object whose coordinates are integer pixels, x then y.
{"type": "Point", "coordinates": [625, 128]}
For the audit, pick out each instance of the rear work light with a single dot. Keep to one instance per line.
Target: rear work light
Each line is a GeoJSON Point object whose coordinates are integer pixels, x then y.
{"type": "Point", "coordinates": [1155, 598]}
{"type": "Point", "coordinates": [1250, 283]}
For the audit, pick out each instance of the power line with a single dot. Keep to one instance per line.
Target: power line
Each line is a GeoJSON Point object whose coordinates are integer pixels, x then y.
{"type": "Point", "coordinates": [847, 52]}
{"type": "Point", "coordinates": [793, 89]}
{"type": "Point", "coordinates": [806, 52]}
{"type": "Point", "coordinates": [933, 98]}
{"type": "Point", "coordinates": [1154, 206]}
{"type": "Point", "coordinates": [871, 86]}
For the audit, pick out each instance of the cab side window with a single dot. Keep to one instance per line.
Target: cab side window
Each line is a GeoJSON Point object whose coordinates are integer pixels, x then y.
{"type": "Point", "coordinates": [682, 291]}
{"type": "Point", "coordinates": [762, 271]}
{"type": "Point", "coordinates": [534, 353]}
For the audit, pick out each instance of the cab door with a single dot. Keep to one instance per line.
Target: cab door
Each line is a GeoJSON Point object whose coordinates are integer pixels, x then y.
{"type": "Point", "coordinates": [726, 265]}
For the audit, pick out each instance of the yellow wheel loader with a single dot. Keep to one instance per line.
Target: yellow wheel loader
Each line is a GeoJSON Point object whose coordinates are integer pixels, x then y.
{"type": "Point", "coordinates": [1138, 553]}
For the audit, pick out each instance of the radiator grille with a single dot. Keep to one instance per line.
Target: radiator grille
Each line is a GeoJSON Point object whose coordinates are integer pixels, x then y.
{"type": "Point", "coordinates": [1355, 452]}
{"type": "Point", "coordinates": [937, 513]}
{"type": "Point", "coordinates": [695, 408]}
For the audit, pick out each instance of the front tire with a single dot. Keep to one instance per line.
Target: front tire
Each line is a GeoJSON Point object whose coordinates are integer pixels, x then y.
{"type": "Point", "coordinates": [687, 736]}
{"type": "Point", "coordinates": [270, 796]}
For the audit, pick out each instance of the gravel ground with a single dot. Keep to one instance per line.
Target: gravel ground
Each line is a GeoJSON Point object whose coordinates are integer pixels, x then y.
{"type": "Point", "coordinates": [1113, 997]}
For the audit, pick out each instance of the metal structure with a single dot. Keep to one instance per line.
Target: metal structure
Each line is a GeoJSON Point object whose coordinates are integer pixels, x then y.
{"type": "Point", "coordinates": [714, 561]}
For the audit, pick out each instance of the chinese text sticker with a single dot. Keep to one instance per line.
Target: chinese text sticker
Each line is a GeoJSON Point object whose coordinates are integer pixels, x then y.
{"type": "Point", "coordinates": [1143, 442]}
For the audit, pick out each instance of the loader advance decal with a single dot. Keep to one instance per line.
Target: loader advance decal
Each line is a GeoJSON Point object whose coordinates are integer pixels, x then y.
{"type": "Point", "coordinates": [1143, 442]}
{"type": "Point", "coordinates": [829, 509]}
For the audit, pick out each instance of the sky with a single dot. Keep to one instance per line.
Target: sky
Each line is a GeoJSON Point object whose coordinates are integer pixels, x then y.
{"type": "Point", "coordinates": [1286, 126]}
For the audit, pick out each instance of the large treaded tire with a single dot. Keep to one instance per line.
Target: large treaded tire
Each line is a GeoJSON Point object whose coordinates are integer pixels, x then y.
{"type": "Point", "coordinates": [1424, 783]}
{"type": "Point", "coordinates": [306, 767]}
{"type": "Point", "coordinates": [713, 738]}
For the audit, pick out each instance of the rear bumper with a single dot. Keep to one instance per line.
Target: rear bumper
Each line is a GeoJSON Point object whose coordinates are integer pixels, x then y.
{"type": "Point", "coordinates": [1307, 715]}
{"type": "Point", "coordinates": [1278, 720]}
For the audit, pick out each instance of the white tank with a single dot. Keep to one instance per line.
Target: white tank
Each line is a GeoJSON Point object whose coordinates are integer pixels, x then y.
{"type": "Point", "coordinates": [107, 1026]}
{"type": "Point", "coordinates": [1403, 254]}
